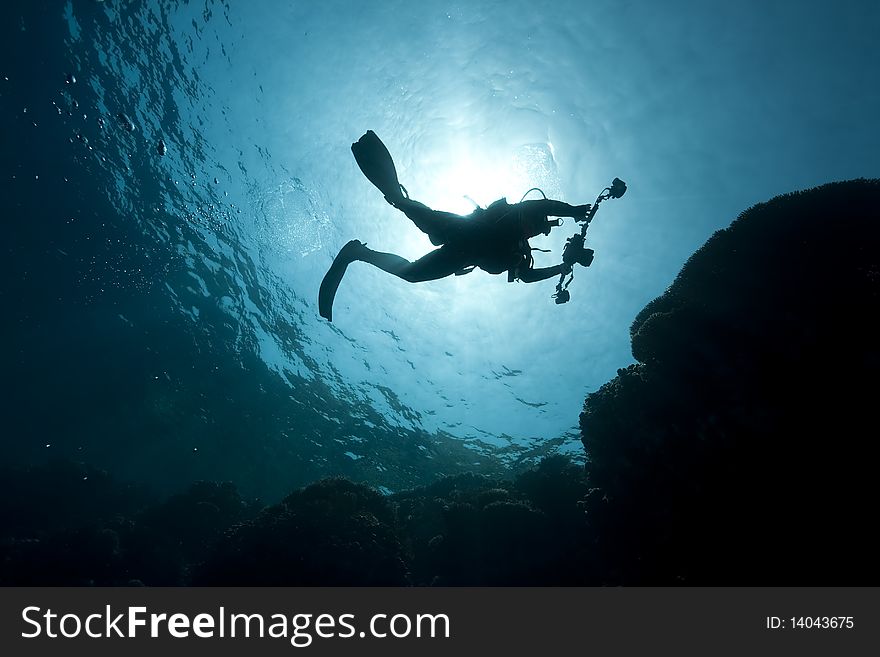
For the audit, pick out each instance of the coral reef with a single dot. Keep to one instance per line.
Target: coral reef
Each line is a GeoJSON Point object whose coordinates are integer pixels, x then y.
{"type": "Point", "coordinates": [738, 450]}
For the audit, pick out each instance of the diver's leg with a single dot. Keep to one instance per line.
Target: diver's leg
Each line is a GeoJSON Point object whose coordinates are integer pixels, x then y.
{"type": "Point", "coordinates": [438, 225]}
{"type": "Point", "coordinates": [436, 264]}
{"type": "Point", "coordinates": [439, 263]}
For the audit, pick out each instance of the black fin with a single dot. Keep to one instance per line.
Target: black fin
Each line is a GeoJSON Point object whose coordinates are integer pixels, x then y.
{"type": "Point", "coordinates": [329, 285]}
{"type": "Point", "coordinates": [327, 293]}
{"type": "Point", "coordinates": [376, 164]}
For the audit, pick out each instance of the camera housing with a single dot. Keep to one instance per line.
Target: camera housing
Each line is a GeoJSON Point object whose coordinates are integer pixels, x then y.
{"type": "Point", "coordinates": [575, 253]}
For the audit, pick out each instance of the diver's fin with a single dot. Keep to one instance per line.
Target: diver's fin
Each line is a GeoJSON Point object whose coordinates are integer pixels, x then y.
{"type": "Point", "coordinates": [333, 277]}
{"type": "Point", "coordinates": [376, 164]}
{"type": "Point", "coordinates": [327, 293]}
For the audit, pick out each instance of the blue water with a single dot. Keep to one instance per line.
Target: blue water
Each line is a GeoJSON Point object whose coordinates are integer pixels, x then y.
{"type": "Point", "coordinates": [178, 179]}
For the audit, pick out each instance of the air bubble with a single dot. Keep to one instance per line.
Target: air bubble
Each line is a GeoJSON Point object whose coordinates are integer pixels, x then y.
{"type": "Point", "coordinates": [125, 122]}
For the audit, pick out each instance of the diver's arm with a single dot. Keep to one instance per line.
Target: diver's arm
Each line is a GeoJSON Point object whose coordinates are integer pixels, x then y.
{"type": "Point", "coordinates": [551, 208]}
{"type": "Point", "coordinates": [534, 275]}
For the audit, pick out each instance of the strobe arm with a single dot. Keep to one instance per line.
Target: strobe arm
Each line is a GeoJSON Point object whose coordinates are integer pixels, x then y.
{"type": "Point", "coordinates": [574, 247]}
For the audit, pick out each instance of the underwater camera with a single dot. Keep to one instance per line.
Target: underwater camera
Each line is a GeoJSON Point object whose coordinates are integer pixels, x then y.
{"type": "Point", "coordinates": [575, 252]}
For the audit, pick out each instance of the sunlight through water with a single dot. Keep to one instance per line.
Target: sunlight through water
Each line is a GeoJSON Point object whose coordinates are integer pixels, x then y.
{"type": "Point", "coordinates": [221, 134]}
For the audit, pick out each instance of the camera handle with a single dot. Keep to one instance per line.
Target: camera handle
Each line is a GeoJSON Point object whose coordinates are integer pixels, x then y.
{"type": "Point", "coordinates": [575, 244]}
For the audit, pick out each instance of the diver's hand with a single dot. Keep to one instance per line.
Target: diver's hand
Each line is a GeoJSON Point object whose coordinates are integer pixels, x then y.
{"type": "Point", "coordinates": [583, 211]}
{"type": "Point", "coordinates": [565, 269]}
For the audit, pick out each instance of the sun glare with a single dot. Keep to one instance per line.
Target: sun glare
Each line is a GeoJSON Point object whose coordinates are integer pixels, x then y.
{"type": "Point", "coordinates": [463, 176]}
{"type": "Point", "coordinates": [466, 175]}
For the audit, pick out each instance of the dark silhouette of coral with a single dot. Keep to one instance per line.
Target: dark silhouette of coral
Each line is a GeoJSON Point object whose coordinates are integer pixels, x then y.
{"type": "Point", "coordinates": [332, 533]}
{"type": "Point", "coordinates": [68, 524]}
{"type": "Point", "coordinates": [740, 448]}
{"type": "Point", "coordinates": [467, 529]}
{"type": "Point", "coordinates": [473, 530]}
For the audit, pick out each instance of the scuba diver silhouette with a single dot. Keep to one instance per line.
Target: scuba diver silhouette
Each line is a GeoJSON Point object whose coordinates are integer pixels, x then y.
{"type": "Point", "coordinates": [495, 239]}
